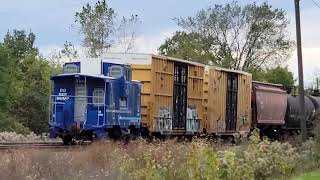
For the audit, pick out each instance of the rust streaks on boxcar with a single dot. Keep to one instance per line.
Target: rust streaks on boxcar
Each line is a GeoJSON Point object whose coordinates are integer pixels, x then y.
{"type": "Point", "coordinates": [227, 88]}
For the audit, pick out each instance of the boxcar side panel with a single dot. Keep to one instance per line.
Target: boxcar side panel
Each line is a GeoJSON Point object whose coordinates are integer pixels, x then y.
{"type": "Point", "coordinates": [216, 110]}
{"type": "Point", "coordinates": [162, 76]}
{"type": "Point", "coordinates": [244, 103]}
{"type": "Point", "coordinates": [205, 100]}
{"type": "Point", "coordinates": [195, 91]}
{"type": "Point", "coordinates": [157, 80]}
{"type": "Point", "coordinates": [144, 75]}
{"type": "Point", "coordinates": [215, 121]}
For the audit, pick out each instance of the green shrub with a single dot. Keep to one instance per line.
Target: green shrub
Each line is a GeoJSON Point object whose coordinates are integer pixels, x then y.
{"type": "Point", "coordinates": [9, 124]}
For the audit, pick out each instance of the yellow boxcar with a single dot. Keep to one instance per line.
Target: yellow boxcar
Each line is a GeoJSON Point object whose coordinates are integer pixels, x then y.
{"type": "Point", "coordinates": [172, 94]}
{"type": "Point", "coordinates": [227, 101]}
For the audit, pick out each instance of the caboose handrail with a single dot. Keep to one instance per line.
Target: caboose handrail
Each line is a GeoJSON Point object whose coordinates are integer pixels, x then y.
{"type": "Point", "coordinates": [71, 96]}
{"type": "Point", "coordinates": [57, 103]}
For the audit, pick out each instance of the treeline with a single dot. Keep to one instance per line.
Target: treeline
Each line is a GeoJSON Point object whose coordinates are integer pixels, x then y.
{"type": "Point", "coordinates": [251, 37]}
{"type": "Point", "coordinates": [24, 84]}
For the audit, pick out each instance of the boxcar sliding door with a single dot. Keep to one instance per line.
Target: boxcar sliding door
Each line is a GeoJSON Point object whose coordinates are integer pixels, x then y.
{"type": "Point", "coordinates": [180, 96]}
{"type": "Point", "coordinates": [232, 101]}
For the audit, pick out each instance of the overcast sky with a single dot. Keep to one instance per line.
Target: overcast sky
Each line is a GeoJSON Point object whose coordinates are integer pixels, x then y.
{"type": "Point", "coordinates": [51, 21]}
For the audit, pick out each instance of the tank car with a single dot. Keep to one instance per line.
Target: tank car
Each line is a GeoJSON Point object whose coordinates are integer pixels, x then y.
{"type": "Point", "coordinates": [293, 113]}
{"type": "Point", "coordinates": [316, 102]}
{"type": "Point", "coordinates": [86, 106]}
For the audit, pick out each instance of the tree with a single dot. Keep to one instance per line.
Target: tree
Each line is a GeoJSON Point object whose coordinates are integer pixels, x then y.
{"type": "Point", "coordinates": [233, 36]}
{"type": "Point", "coordinates": [32, 105]}
{"type": "Point", "coordinates": [29, 82]}
{"type": "Point", "coordinates": [279, 75]}
{"type": "Point", "coordinates": [97, 26]}
{"type": "Point", "coordinates": [20, 43]}
{"type": "Point", "coordinates": [69, 51]}
{"type": "Point", "coordinates": [100, 28]}
{"type": "Point", "coordinates": [188, 46]}
{"type": "Point", "coordinates": [126, 34]}
{"type": "Point", "coordinates": [6, 77]}
{"type": "Point", "coordinates": [315, 83]}
{"type": "Point", "coordinates": [7, 123]}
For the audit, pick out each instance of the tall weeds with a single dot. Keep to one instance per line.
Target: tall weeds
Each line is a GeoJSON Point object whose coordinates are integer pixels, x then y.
{"type": "Point", "coordinates": [164, 160]}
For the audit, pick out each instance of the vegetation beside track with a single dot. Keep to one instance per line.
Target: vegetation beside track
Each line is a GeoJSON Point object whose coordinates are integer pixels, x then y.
{"type": "Point", "coordinates": [254, 159]}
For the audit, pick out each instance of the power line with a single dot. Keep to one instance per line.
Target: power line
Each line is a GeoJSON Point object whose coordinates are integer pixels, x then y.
{"type": "Point", "coordinates": [315, 3]}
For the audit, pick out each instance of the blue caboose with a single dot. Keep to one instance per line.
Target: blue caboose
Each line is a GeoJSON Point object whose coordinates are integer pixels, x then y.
{"type": "Point", "coordinates": [85, 106]}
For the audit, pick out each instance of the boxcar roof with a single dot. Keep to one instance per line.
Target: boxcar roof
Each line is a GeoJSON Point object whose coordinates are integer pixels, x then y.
{"type": "Point", "coordinates": [141, 58]}
{"type": "Point", "coordinates": [271, 84]}
{"type": "Point", "coordinates": [178, 60]}
{"type": "Point", "coordinates": [227, 70]}
{"type": "Point", "coordinates": [269, 88]}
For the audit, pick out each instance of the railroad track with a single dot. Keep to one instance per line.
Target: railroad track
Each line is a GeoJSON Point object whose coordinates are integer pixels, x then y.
{"type": "Point", "coordinates": [41, 145]}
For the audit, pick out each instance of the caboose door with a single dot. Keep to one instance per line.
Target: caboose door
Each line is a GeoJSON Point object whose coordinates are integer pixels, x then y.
{"type": "Point", "coordinates": [80, 101]}
{"type": "Point", "coordinates": [232, 101]}
{"type": "Point", "coordinates": [180, 96]}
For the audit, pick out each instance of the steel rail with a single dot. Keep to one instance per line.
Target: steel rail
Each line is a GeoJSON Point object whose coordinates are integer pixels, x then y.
{"type": "Point", "coordinates": [42, 145]}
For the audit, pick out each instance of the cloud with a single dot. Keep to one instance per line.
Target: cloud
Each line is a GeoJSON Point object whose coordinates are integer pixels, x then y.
{"type": "Point", "coordinates": [148, 43]}
{"type": "Point", "coordinates": [143, 43]}
{"type": "Point", "coordinates": [51, 52]}
{"type": "Point", "coordinates": [311, 64]}
{"type": "Point", "coordinates": [310, 45]}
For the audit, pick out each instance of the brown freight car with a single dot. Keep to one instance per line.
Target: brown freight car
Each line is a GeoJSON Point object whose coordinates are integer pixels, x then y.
{"type": "Point", "coordinates": [227, 102]}
{"type": "Point", "coordinates": [269, 104]}
{"type": "Point", "coordinates": [172, 95]}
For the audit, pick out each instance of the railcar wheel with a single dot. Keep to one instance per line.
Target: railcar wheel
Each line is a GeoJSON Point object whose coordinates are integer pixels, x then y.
{"type": "Point", "coordinates": [73, 141]}
{"type": "Point", "coordinates": [67, 139]}
{"type": "Point", "coordinates": [115, 133]}
{"type": "Point", "coordinates": [134, 133]}
{"type": "Point", "coordinates": [144, 132]}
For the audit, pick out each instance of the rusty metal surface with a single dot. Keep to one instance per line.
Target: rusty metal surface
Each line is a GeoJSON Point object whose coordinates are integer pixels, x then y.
{"type": "Point", "coordinates": [271, 104]}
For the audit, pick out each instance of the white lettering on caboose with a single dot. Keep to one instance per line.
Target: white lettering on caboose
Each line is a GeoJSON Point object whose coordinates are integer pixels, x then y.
{"type": "Point", "coordinates": [63, 95]}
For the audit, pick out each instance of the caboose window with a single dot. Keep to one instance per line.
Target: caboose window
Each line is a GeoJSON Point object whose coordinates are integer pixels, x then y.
{"type": "Point", "coordinates": [71, 68]}
{"type": "Point", "coordinates": [98, 97]}
{"type": "Point", "coordinates": [115, 71]}
{"type": "Point", "coordinates": [123, 102]}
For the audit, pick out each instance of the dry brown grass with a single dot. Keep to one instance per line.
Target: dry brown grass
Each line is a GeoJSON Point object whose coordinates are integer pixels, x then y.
{"type": "Point", "coordinates": [160, 160]}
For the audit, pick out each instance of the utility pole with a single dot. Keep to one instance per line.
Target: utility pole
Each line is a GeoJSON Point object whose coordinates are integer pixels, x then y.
{"type": "Point", "coordinates": [300, 70]}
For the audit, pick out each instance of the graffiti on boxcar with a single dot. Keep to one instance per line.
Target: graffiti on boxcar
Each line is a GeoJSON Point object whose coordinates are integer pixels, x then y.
{"type": "Point", "coordinates": [163, 122]}
{"type": "Point", "coordinates": [192, 120]}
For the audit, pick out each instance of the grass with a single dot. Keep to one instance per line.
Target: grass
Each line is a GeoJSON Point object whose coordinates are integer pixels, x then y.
{"type": "Point", "coordinates": [315, 175]}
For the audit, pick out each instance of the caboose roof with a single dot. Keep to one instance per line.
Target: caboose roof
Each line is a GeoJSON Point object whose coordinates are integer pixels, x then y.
{"type": "Point", "coordinates": [87, 75]}
{"type": "Point", "coordinates": [80, 74]}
